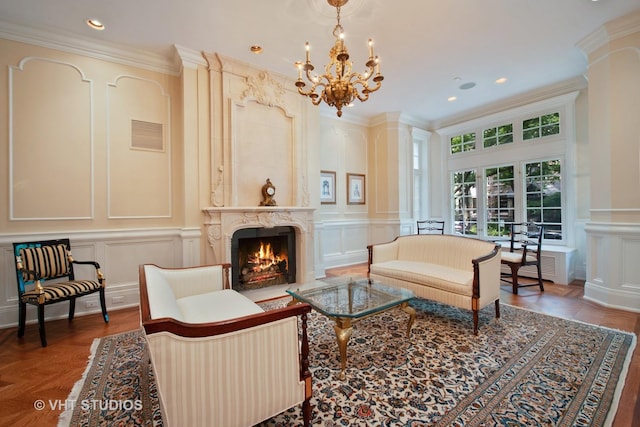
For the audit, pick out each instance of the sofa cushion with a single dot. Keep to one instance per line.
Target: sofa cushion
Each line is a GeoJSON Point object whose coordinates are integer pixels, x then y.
{"type": "Point", "coordinates": [216, 306]}
{"type": "Point", "coordinates": [437, 276]}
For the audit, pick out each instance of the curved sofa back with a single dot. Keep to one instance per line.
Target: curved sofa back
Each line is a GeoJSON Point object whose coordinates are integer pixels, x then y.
{"type": "Point", "coordinates": [452, 251]}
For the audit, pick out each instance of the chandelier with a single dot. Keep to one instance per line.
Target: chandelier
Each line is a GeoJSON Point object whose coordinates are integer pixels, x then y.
{"type": "Point", "coordinates": [339, 86]}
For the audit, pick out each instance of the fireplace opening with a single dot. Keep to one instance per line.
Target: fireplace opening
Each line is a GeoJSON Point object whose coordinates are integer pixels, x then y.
{"type": "Point", "coordinates": [262, 257]}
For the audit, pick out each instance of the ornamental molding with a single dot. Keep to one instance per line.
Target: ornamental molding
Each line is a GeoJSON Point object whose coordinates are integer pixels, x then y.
{"type": "Point", "coordinates": [264, 90]}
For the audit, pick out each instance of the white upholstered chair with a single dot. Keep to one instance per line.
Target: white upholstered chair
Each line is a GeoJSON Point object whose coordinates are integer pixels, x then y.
{"type": "Point", "coordinates": [218, 358]}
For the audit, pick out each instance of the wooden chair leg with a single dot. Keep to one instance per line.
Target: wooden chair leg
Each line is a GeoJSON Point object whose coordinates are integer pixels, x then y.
{"type": "Point", "coordinates": [306, 413]}
{"type": "Point", "coordinates": [72, 308]}
{"type": "Point", "coordinates": [514, 278]}
{"type": "Point", "coordinates": [540, 276]}
{"type": "Point", "coordinates": [497, 308]}
{"type": "Point", "coordinates": [43, 337]}
{"type": "Point", "coordinates": [22, 318]}
{"type": "Point", "coordinates": [103, 305]}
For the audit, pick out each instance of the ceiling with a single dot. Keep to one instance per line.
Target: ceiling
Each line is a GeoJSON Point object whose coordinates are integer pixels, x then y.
{"type": "Point", "coordinates": [427, 48]}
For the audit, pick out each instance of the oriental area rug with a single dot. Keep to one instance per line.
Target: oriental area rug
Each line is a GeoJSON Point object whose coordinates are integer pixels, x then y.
{"type": "Point", "coordinates": [524, 369]}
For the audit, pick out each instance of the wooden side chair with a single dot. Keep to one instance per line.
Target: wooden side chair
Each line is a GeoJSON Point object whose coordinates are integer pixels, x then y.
{"type": "Point", "coordinates": [430, 226]}
{"type": "Point", "coordinates": [45, 261]}
{"type": "Point", "coordinates": [525, 246]}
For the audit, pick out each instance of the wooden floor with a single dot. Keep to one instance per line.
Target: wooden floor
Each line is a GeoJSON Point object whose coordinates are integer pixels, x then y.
{"type": "Point", "coordinates": [30, 374]}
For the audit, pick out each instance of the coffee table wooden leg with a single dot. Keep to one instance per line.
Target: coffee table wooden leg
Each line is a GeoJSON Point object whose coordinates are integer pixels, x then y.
{"type": "Point", "coordinates": [343, 333]}
{"type": "Point", "coordinates": [412, 316]}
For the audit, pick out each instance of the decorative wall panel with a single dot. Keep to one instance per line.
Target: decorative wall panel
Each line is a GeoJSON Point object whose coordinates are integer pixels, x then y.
{"type": "Point", "coordinates": [50, 141]}
{"type": "Point", "coordinates": [139, 180]}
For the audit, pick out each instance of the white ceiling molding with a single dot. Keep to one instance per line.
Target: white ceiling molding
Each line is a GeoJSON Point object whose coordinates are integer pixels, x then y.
{"type": "Point", "coordinates": [85, 47]}
{"type": "Point", "coordinates": [189, 58]}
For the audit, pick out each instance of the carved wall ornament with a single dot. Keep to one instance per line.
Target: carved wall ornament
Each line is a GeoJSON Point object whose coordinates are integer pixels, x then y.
{"type": "Point", "coordinates": [217, 195]}
{"type": "Point", "coordinates": [264, 90]}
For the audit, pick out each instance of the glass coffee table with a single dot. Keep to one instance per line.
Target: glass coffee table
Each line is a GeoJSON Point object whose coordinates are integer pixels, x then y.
{"type": "Point", "coordinates": [345, 300]}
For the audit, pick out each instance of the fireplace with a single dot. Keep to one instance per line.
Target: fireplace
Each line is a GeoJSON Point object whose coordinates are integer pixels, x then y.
{"type": "Point", "coordinates": [222, 224]}
{"type": "Point", "coordinates": [262, 257]}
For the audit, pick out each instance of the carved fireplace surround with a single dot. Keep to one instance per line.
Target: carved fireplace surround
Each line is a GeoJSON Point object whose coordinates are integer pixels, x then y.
{"type": "Point", "coordinates": [222, 222]}
{"type": "Point", "coordinates": [262, 131]}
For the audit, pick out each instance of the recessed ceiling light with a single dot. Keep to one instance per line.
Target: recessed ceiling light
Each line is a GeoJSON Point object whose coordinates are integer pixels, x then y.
{"type": "Point", "coordinates": [451, 98]}
{"type": "Point", "coordinates": [466, 86]}
{"type": "Point", "coordinates": [501, 80]}
{"type": "Point", "coordinates": [256, 49]}
{"type": "Point", "coordinates": [95, 24]}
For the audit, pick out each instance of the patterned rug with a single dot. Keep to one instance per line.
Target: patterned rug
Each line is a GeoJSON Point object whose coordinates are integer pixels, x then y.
{"type": "Point", "coordinates": [525, 369]}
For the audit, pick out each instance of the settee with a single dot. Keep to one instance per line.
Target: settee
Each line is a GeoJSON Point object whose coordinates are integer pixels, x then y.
{"type": "Point", "coordinates": [455, 270]}
{"type": "Point", "coordinates": [218, 358]}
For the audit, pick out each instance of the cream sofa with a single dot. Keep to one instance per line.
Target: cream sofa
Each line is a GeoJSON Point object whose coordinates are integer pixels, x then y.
{"type": "Point", "coordinates": [455, 270]}
{"type": "Point", "coordinates": [219, 359]}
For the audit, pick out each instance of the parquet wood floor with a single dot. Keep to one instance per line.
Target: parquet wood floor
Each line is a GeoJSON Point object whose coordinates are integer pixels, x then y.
{"type": "Point", "coordinates": [29, 373]}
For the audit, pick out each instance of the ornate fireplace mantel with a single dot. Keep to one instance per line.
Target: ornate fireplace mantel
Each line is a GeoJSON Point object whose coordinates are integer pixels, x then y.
{"type": "Point", "coordinates": [222, 222]}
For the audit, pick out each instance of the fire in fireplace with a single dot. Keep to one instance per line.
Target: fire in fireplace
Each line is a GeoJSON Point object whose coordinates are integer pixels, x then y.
{"type": "Point", "coordinates": [262, 257]}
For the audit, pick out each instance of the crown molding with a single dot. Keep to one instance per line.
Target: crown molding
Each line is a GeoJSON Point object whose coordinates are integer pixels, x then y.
{"type": "Point", "coordinates": [533, 105]}
{"type": "Point", "coordinates": [189, 58]}
{"type": "Point", "coordinates": [88, 47]}
{"type": "Point", "coordinates": [612, 30]}
{"type": "Point", "coordinates": [572, 87]}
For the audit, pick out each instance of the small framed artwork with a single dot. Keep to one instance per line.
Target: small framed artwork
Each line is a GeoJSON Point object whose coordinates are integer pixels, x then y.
{"type": "Point", "coordinates": [327, 188]}
{"type": "Point", "coordinates": [355, 189]}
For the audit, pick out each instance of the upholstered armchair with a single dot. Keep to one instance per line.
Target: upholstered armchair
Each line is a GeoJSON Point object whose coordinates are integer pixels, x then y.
{"type": "Point", "coordinates": [45, 275]}
{"type": "Point", "coordinates": [218, 358]}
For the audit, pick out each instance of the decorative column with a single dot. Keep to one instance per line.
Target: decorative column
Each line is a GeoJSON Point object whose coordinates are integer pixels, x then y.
{"type": "Point", "coordinates": [613, 232]}
{"type": "Point", "coordinates": [194, 136]}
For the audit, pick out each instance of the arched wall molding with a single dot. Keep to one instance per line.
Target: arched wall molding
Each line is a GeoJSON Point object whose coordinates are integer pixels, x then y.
{"type": "Point", "coordinates": [83, 79]}
{"type": "Point", "coordinates": [167, 135]}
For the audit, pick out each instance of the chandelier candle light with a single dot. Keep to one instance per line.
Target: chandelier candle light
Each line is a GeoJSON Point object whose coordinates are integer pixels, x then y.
{"type": "Point", "coordinates": [339, 86]}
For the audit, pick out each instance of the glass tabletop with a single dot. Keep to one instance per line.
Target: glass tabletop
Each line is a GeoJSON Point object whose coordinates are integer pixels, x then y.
{"type": "Point", "coordinates": [347, 297]}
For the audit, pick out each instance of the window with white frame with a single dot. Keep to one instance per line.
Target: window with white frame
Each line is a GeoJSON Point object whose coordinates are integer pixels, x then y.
{"type": "Point", "coordinates": [500, 199]}
{"type": "Point", "coordinates": [543, 196]}
{"type": "Point", "coordinates": [499, 135]}
{"type": "Point", "coordinates": [465, 202]}
{"type": "Point", "coordinates": [515, 173]}
{"type": "Point", "coordinates": [417, 179]}
{"type": "Point", "coordinates": [463, 143]}
{"type": "Point", "coordinates": [537, 127]}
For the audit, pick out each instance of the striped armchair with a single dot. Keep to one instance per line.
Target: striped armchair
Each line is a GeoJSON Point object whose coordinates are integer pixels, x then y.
{"type": "Point", "coordinates": [218, 358]}
{"type": "Point", "coordinates": [37, 263]}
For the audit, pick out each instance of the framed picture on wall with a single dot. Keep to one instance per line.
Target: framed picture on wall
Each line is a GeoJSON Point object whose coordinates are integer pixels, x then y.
{"type": "Point", "coordinates": [327, 187]}
{"type": "Point", "coordinates": [355, 189]}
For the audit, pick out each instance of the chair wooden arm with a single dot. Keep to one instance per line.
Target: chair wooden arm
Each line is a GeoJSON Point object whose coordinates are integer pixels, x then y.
{"type": "Point", "coordinates": [96, 265]}
{"type": "Point", "coordinates": [199, 330]}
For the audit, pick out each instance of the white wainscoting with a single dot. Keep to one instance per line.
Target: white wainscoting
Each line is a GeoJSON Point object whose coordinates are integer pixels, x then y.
{"type": "Point", "coordinates": [344, 242]}
{"type": "Point", "coordinates": [613, 270]}
{"type": "Point", "coordinates": [119, 253]}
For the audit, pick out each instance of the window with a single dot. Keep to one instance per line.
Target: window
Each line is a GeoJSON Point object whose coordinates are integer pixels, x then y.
{"type": "Point", "coordinates": [538, 188]}
{"type": "Point", "coordinates": [519, 169]}
{"type": "Point", "coordinates": [497, 136]}
{"type": "Point", "coordinates": [537, 127]}
{"type": "Point", "coordinates": [417, 180]}
{"type": "Point", "coordinates": [462, 143]}
{"type": "Point", "coordinates": [543, 194]}
{"type": "Point", "coordinates": [500, 186]}
{"type": "Point", "coordinates": [465, 202]}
